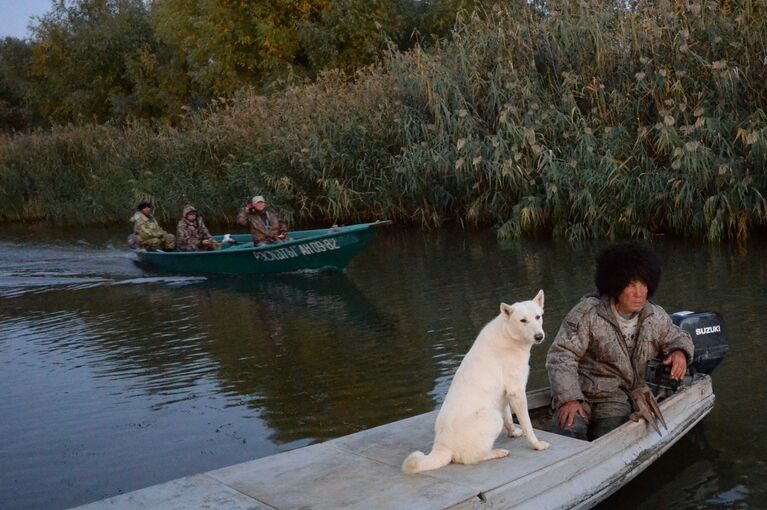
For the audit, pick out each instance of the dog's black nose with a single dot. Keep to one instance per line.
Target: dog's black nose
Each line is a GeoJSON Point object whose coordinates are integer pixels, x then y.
{"type": "Point", "coordinates": [538, 337]}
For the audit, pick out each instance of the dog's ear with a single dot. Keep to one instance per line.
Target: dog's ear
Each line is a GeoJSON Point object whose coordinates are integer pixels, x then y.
{"type": "Point", "coordinates": [538, 299]}
{"type": "Point", "coordinates": [506, 310]}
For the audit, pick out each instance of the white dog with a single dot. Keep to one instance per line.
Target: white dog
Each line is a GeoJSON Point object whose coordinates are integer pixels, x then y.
{"type": "Point", "coordinates": [492, 375]}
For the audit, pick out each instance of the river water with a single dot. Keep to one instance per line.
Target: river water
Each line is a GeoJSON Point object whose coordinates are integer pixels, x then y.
{"type": "Point", "coordinates": [113, 378]}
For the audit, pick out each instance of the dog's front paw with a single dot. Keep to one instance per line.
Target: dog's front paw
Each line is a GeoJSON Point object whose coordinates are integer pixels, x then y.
{"type": "Point", "coordinates": [500, 453]}
{"type": "Point", "coordinates": [540, 445]}
{"type": "Point", "coordinates": [514, 432]}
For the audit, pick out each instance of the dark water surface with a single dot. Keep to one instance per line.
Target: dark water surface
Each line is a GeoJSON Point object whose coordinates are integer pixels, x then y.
{"type": "Point", "coordinates": [113, 378]}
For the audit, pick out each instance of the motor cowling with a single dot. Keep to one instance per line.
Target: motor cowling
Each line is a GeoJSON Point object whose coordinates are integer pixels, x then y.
{"type": "Point", "coordinates": [708, 336]}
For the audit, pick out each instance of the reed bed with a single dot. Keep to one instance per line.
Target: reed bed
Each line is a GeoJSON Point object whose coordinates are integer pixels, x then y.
{"type": "Point", "coordinates": [570, 119]}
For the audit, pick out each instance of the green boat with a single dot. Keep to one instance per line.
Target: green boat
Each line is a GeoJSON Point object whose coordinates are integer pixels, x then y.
{"type": "Point", "coordinates": [305, 250]}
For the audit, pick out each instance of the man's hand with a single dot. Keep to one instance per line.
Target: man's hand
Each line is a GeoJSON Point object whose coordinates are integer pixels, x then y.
{"type": "Point", "coordinates": [250, 207]}
{"type": "Point", "coordinates": [678, 362]}
{"type": "Point", "coordinates": [568, 412]}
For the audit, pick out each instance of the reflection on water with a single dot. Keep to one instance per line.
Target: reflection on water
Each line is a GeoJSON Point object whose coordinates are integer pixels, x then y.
{"type": "Point", "coordinates": [115, 378]}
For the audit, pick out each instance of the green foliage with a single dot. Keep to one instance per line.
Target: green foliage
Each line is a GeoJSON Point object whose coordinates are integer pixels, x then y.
{"type": "Point", "coordinates": [15, 59]}
{"type": "Point", "coordinates": [571, 119]}
{"type": "Point", "coordinates": [231, 44]}
{"type": "Point", "coordinates": [350, 34]}
{"type": "Point", "coordinates": [440, 16]}
{"type": "Point", "coordinates": [81, 59]}
{"type": "Point", "coordinates": [94, 61]}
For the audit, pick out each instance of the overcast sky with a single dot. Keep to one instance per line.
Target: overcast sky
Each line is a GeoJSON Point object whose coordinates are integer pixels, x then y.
{"type": "Point", "coordinates": [15, 16]}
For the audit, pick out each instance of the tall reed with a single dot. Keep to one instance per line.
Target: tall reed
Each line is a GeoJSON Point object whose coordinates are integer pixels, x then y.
{"type": "Point", "coordinates": [569, 118]}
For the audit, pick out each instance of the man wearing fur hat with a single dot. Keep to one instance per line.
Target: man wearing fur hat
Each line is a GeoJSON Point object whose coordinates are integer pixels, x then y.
{"type": "Point", "coordinates": [265, 224]}
{"type": "Point", "coordinates": [598, 360]}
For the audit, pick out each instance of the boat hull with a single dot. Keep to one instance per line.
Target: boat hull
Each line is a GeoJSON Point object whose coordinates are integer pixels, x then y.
{"type": "Point", "coordinates": [362, 470]}
{"type": "Point", "coordinates": [312, 250]}
{"type": "Point", "coordinates": [591, 475]}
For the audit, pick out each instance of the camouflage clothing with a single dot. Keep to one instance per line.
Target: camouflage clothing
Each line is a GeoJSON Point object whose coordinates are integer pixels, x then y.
{"type": "Point", "coordinates": [264, 227]}
{"type": "Point", "coordinates": [191, 234]}
{"type": "Point", "coordinates": [149, 233]}
{"type": "Point", "coordinates": [590, 361]}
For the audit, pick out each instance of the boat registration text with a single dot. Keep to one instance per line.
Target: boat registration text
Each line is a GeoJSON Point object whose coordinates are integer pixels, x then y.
{"type": "Point", "coordinates": [290, 252]}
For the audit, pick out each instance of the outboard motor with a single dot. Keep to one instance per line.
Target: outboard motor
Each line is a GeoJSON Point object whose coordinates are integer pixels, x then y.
{"type": "Point", "coordinates": [708, 336]}
{"type": "Point", "coordinates": [709, 339]}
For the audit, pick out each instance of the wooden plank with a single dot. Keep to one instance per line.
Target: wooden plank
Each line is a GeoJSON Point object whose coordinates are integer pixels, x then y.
{"type": "Point", "coordinates": [198, 491]}
{"type": "Point", "coordinates": [392, 443]}
{"type": "Point", "coordinates": [325, 477]}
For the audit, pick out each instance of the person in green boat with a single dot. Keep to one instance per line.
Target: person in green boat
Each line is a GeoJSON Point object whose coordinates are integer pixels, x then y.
{"type": "Point", "coordinates": [148, 232]}
{"type": "Point", "coordinates": [192, 234]}
{"type": "Point", "coordinates": [264, 222]}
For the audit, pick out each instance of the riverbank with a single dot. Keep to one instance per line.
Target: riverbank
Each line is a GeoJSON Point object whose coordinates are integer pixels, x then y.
{"type": "Point", "coordinates": [578, 122]}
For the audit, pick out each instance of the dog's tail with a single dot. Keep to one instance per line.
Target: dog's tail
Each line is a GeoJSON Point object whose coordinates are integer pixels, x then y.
{"type": "Point", "coordinates": [417, 461]}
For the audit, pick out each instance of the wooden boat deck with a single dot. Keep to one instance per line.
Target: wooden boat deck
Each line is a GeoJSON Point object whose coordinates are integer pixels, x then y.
{"type": "Point", "coordinates": [362, 470]}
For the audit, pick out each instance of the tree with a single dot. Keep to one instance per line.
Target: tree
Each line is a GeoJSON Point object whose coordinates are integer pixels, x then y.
{"type": "Point", "coordinates": [227, 44]}
{"type": "Point", "coordinates": [352, 33]}
{"type": "Point", "coordinates": [82, 58]}
{"type": "Point", "coordinates": [15, 59]}
{"type": "Point", "coordinates": [437, 17]}
{"type": "Point", "coordinates": [230, 44]}
{"type": "Point", "coordinates": [100, 60]}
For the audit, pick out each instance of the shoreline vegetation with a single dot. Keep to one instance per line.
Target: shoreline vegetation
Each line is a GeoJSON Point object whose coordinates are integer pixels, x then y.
{"type": "Point", "coordinates": [568, 119]}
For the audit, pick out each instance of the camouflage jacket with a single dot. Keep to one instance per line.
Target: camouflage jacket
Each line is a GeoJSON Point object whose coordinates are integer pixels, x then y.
{"type": "Point", "coordinates": [190, 235]}
{"type": "Point", "coordinates": [146, 227]}
{"type": "Point", "coordinates": [589, 359]}
{"type": "Point", "coordinates": [264, 228]}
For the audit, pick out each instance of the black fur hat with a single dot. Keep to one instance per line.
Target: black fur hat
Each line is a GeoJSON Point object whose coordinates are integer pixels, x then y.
{"type": "Point", "coordinates": [141, 205]}
{"type": "Point", "coordinates": [620, 264]}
